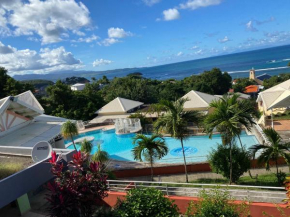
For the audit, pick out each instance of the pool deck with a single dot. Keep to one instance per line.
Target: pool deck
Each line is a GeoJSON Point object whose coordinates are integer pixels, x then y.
{"type": "Point", "coordinates": [107, 127]}
{"type": "Point", "coordinates": [121, 165]}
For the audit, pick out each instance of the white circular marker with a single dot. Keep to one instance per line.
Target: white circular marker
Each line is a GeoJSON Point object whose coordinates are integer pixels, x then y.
{"type": "Point", "coordinates": [41, 151]}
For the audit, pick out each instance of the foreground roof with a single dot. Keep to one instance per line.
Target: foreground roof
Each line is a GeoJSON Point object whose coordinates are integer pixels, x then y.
{"type": "Point", "coordinates": [24, 104]}
{"type": "Point", "coordinates": [198, 99]}
{"type": "Point", "coordinates": [43, 128]}
{"type": "Point", "coordinates": [276, 97]}
{"type": "Point", "coordinates": [119, 105]}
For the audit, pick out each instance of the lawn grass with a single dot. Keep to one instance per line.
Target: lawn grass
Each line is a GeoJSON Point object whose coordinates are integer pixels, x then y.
{"type": "Point", "coordinates": [7, 169]}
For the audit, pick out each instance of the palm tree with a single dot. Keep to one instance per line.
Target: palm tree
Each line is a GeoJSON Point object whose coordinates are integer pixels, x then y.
{"type": "Point", "coordinates": [100, 156]}
{"type": "Point", "coordinates": [272, 151]}
{"type": "Point", "coordinates": [68, 130]}
{"type": "Point", "coordinates": [226, 118]}
{"type": "Point", "coordinates": [150, 148]}
{"type": "Point", "coordinates": [86, 146]}
{"type": "Point", "coordinates": [175, 120]}
{"type": "Point", "coordinates": [245, 112]}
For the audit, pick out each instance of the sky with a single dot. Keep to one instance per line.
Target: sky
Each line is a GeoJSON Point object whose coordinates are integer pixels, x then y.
{"type": "Point", "coordinates": [52, 36]}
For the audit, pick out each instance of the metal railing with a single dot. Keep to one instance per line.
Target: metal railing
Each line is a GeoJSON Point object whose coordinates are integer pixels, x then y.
{"type": "Point", "coordinates": [239, 192]}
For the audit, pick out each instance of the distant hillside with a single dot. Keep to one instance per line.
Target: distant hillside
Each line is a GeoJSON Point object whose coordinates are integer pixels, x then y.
{"type": "Point", "coordinates": [38, 83]}
{"type": "Point", "coordinates": [73, 80]}
{"type": "Point", "coordinates": [86, 74]}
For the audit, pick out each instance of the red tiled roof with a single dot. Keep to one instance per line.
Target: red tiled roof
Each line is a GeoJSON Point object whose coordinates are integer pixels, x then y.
{"type": "Point", "coordinates": [251, 89]}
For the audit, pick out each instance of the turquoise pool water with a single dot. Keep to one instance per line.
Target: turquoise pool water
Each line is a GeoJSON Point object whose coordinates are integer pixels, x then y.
{"type": "Point", "coordinates": [196, 147]}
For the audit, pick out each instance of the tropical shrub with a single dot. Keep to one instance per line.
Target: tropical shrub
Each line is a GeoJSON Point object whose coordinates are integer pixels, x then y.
{"type": "Point", "coordinates": [100, 156]}
{"type": "Point", "coordinates": [215, 203]}
{"type": "Point", "coordinates": [220, 163]}
{"type": "Point", "coordinates": [272, 151]}
{"type": "Point", "coordinates": [86, 146]}
{"type": "Point", "coordinates": [150, 148]}
{"type": "Point", "coordinates": [146, 202]}
{"type": "Point", "coordinates": [77, 189]}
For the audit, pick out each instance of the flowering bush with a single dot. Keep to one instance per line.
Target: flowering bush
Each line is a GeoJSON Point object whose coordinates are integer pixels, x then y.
{"type": "Point", "coordinates": [78, 188]}
{"type": "Point", "coordinates": [287, 187]}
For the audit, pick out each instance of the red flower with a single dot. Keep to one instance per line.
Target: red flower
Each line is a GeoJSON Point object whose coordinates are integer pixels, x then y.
{"type": "Point", "coordinates": [94, 166]}
{"type": "Point", "coordinates": [53, 157]}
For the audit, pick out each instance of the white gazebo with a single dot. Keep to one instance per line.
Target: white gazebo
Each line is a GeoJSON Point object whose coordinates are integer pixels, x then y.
{"type": "Point", "coordinates": [275, 99]}
{"type": "Point", "coordinates": [198, 101]}
{"type": "Point", "coordinates": [117, 108]}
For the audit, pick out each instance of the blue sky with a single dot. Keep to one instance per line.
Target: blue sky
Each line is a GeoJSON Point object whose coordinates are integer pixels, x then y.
{"type": "Point", "coordinates": [57, 35]}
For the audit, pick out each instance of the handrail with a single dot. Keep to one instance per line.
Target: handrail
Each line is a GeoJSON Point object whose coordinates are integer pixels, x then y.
{"type": "Point", "coordinates": [240, 192]}
{"type": "Point", "coordinates": [199, 184]}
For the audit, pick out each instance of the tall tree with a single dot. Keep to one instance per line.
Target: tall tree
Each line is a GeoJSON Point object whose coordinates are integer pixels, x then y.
{"type": "Point", "coordinates": [150, 148]}
{"type": "Point", "coordinates": [9, 86]}
{"type": "Point", "coordinates": [68, 130]}
{"type": "Point", "coordinates": [272, 151]}
{"type": "Point", "coordinates": [225, 118]}
{"type": "Point", "coordinates": [175, 120]}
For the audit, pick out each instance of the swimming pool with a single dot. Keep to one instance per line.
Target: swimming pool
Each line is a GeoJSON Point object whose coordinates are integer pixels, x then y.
{"type": "Point", "coordinates": [196, 148]}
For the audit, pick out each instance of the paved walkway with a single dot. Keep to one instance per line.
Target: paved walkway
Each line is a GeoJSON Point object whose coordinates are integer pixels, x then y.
{"type": "Point", "coordinates": [279, 125]}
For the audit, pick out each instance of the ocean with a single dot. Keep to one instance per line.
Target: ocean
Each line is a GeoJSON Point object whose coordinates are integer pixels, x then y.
{"type": "Point", "coordinates": [272, 61]}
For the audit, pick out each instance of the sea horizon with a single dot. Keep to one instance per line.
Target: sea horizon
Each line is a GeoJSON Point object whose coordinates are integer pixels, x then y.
{"type": "Point", "coordinates": [272, 61]}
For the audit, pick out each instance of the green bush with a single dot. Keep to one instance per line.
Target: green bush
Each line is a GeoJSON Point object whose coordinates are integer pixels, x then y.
{"type": "Point", "coordinates": [219, 161]}
{"type": "Point", "coordinates": [104, 212]}
{"type": "Point", "coordinates": [215, 203]}
{"type": "Point", "coordinates": [146, 202]}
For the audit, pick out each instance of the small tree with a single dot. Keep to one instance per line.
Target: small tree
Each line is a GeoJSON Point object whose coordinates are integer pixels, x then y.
{"type": "Point", "coordinates": [68, 130]}
{"type": "Point", "coordinates": [100, 156]}
{"type": "Point", "coordinates": [150, 148]}
{"type": "Point", "coordinates": [76, 189]}
{"type": "Point", "coordinates": [220, 163]}
{"type": "Point", "coordinates": [175, 120]}
{"type": "Point", "coordinates": [215, 203]}
{"type": "Point", "coordinates": [273, 151]}
{"type": "Point", "coordinates": [86, 146]}
{"type": "Point", "coordinates": [146, 202]}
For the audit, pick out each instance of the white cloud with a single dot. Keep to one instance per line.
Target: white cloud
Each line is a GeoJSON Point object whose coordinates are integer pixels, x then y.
{"type": "Point", "coordinates": [5, 49]}
{"type": "Point", "coordinates": [224, 40]}
{"type": "Point", "coordinates": [179, 54]}
{"type": "Point", "coordinates": [151, 2]}
{"type": "Point", "coordinates": [87, 39]}
{"type": "Point", "coordinates": [49, 19]}
{"type": "Point", "coordinates": [101, 62]}
{"type": "Point", "coordinates": [109, 41]}
{"type": "Point", "coordinates": [33, 39]}
{"type": "Point", "coordinates": [171, 14]}
{"type": "Point", "coordinates": [250, 26]}
{"type": "Point", "coordinates": [79, 33]}
{"type": "Point", "coordinates": [118, 33]}
{"type": "Point", "coordinates": [199, 52]}
{"type": "Point", "coordinates": [195, 4]}
{"type": "Point", "coordinates": [114, 34]}
{"type": "Point", "coordinates": [271, 19]}
{"type": "Point", "coordinates": [45, 61]}
{"type": "Point", "coordinates": [194, 47]}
